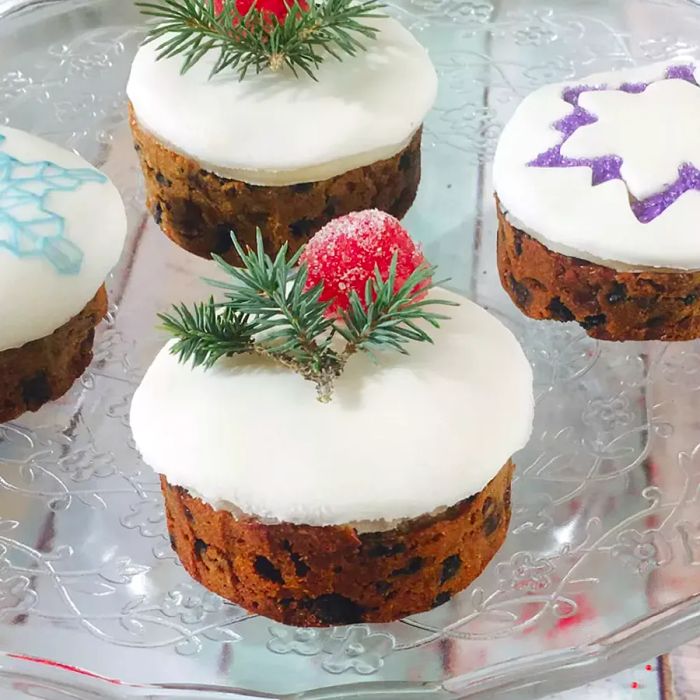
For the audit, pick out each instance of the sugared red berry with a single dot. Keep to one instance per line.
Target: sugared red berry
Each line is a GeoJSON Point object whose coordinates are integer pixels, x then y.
{"type": "Point", "coordinates": [278, 8]}
{"type": "Point", "coordinates": [344, 254]}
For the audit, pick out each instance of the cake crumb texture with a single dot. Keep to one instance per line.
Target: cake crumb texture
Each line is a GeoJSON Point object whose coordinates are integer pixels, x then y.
{"type": "Point", "coordinates": [198, 210]}
{"type": "Point", "coordinates": [609, 304]}
{"type": "Point", "coordinates": [319, 576]}
{"type": "Point", "coordinates": [44, 369]}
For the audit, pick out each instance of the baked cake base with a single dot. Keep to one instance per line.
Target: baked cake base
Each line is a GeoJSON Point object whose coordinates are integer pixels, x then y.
{"type": "Point", "coordinates": [608, 304]}
{"type": "Point", "coordinates": [319, 576]}
{"type": "Point", "coordinates": [198, 210]}
{"type": "Point", "coordinates": [43, 370]}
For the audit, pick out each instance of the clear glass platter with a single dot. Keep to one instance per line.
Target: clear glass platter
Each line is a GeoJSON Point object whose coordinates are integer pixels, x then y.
{"type": "Point", "coordinates": [601, 567]}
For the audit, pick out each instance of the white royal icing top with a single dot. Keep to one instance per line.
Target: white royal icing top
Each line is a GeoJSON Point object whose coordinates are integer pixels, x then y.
{"type": "Point", "coordinates": [400, 438]}
{"type": "Point", "coordinates": [654, 132]}
{"type": "Point", "coordinates": [275, 129]}
{"type": "Point", "coordinates": [62, 229]}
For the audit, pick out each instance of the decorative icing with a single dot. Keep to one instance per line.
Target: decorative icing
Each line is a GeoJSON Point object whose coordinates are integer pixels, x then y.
{"type": "Point", "coordinates": [637, 157]}
{"type": "Point", "coordinates": [276, 129]}
{"type": "Point", "coordinates": [403, 435]}
{"type": "Point", "coordinates": [27, 227]}
{"type": "Point", "coordinates": [606, 169]}
{"type": "Point", "coordinates": [62, 229]}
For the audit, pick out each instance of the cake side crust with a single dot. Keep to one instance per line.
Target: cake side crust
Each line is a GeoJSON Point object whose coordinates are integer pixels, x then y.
{"type": "Point", "coordinates": [609, 304]}
{"type": "Point", "coordinates": [44, 369]}
{"type": "Point", "coordinates": [319, 576]}
{"type": "Point", "coordinates": [198, 210]}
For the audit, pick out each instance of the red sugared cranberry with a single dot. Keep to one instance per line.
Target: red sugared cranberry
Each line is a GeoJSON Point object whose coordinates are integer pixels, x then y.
{"type": "Point", "coordinates": [278, 8]}
{"type": "Point", "coordinates": [344, 254]}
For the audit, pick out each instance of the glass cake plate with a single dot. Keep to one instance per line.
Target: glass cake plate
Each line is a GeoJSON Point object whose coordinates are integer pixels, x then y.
{"type": "Point", "coordinates": [601, 568]}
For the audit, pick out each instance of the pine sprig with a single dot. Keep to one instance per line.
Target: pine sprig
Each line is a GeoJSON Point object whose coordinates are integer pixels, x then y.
{"type": "Point", "coordinates": [268, 311]}
{"type": "Point", "coordinates": [388, 316]}
{"type": "Point", "coordinates": [208, 333]}
{"type": "Point", "coordinates": [259, 40]}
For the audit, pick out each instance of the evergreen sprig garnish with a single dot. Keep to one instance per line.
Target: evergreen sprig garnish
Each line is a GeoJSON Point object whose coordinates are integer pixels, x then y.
{"type": "Point", "coordinates": [268, 311]}
{"type": "Point", "coordinates": [258, 39]}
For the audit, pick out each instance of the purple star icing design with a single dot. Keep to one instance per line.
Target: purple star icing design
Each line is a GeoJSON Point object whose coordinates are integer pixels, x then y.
{"type": "Point", "coordinates": [605, 168]}
{"type": "Point", "coordinates": [683, 72]}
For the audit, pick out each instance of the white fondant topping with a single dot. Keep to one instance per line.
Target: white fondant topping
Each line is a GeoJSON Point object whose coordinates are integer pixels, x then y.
{"type": "Point", "coordinates": [654, 132]}
{"type": "Point", "coordinates": [399, 439]}
{"type": "Point", "coordinates": [275, 129]}
{"type": "Point", "coordinates": [35, 297]}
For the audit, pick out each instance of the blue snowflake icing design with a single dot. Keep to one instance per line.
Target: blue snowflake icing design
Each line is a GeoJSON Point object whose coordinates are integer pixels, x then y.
{"type": "Point", "coordinates": [27, 227]}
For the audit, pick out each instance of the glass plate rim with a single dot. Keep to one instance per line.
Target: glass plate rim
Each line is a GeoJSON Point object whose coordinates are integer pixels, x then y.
{"type": "Point", "coordinates": [541, 673]}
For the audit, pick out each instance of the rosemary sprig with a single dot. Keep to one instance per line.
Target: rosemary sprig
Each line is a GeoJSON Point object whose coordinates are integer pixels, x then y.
{"type": "Point", "coordinates": [259, 40]}
{"type": "Point", "coordinates": [268, 311]}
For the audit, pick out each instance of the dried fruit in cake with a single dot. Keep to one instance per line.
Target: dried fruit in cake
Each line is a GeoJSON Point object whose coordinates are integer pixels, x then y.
{"type": "Point", "coordinates": [62, 228]}
{"type": "Point", "coordinates": [598, 199]}
{"type": "Point", "coordinates": [288, 137]}
{"type": "Point", "coordinates": [385, 498]}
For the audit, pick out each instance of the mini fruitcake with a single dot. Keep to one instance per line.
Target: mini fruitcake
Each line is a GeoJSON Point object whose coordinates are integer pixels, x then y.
{"type": "Point", "coordinates": [62, 229]}
{"type": "Point", "coordinates": [281, 150]}
{"type": "Point", "coordinates": [380, 500]}
{"type": "Point", "coordinates": [598, 196]}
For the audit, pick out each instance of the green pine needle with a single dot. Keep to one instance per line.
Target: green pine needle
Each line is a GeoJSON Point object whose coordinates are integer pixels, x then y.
{"type": "Point", "coordinates": [257, 41]}
{"type": "Point", "coordinates": [208, 332]}
{"type": "Point", "coordinates": [387, 316]}
{"type": "Point", "coordinates": [268, 311]}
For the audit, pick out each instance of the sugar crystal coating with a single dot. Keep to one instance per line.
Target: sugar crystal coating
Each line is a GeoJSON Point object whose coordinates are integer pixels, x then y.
{"type": "Point", "coordinates": [279, 8]}
{"type": "Point", "coordinates": [344, 253]}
